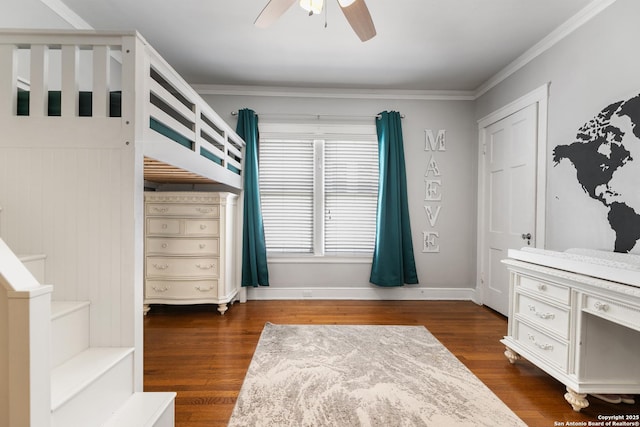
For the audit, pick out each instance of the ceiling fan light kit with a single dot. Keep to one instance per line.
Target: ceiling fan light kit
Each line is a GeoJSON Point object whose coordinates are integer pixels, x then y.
{"type": "Point", "coordinates": [314, 7]}
{"type": "Point", "coordinates": [356, 12]}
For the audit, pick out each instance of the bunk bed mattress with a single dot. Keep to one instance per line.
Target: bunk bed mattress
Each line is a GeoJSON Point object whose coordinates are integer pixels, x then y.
{"type": "Point", "coordinates": [85, 100]}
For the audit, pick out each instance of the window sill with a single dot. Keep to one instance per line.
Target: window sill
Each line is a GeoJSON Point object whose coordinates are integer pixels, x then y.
{"type": "Point", "coordinates": [319, 259]}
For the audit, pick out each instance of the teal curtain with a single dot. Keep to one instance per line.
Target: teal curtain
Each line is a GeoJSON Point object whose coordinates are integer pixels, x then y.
{"type": "Point", "coordinates": [254, 249]}
{"type": "Point", "coordinates": [393, 260]}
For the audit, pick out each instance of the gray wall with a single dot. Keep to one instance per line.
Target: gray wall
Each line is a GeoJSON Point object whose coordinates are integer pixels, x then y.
{"type": "Point", "coordinates": [591, 68]}
{"type": "Point", "coordinates": [454, 265]}
{"type": "Point", "coordinates": [596, 65]}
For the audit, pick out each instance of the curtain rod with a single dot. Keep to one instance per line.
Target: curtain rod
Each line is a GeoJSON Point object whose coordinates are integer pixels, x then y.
{"type": "Point", "coordinates": [317, 116]}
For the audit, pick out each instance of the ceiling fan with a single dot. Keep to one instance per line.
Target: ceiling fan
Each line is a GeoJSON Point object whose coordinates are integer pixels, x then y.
{"type": "Point", "coordinates": [355, 11]}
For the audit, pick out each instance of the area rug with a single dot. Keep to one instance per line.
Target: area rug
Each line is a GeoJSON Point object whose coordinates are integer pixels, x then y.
{"type": "Point", "coordinates": [355, 375]}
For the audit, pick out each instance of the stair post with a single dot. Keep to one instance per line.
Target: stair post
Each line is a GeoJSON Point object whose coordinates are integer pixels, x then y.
{"type": "Point", "coordinates": [25, 343]}
{"type": "Point", "coordinates": [29, 337]}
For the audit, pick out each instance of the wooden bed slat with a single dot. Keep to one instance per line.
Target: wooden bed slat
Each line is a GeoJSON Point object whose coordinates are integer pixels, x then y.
{"type": "Point", "coordinates": [159, 172]}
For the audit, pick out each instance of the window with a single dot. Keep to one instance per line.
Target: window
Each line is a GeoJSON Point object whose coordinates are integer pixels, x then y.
{"type": "Point", "coordinates": [286, 194]}
{"type": "Point", "coordinates": [319, 189]}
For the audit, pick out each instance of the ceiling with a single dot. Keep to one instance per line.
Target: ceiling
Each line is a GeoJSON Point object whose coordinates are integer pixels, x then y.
{"type": "Point", "coordinates": [435, 45]}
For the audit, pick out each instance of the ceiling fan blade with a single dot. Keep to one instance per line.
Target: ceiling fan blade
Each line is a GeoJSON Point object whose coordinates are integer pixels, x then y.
{"type": "Point", "coordinates": [272, 11]}
{"type": "Point", "coordinates": [357, 13]}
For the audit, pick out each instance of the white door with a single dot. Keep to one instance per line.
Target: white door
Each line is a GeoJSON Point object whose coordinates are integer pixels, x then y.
{"type": "Point", "coordinates": [509, 199]}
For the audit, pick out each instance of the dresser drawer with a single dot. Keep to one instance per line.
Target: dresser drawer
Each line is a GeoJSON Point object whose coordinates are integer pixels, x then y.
{"type": "Point", "coordinates": [157, 266]}
{"type": "Point", "coordinates": [543, 314]}
{"type": "Point", "coordinates": [542, 288]}
{"type": "Point", "coordinates": [185, 289]}
{"type": "Point", "coordinates": [201, 227]}
{"type": "Point", "coordinates": [182, 246]}
{"type": "Point", "coordinates": [614, 311]}
{"type": "Point", "coordinates": [163, 226]}
{"type": "Point", "coordinates": [551, 350]}
{"type": "Point", "coordinates": [170, 209]}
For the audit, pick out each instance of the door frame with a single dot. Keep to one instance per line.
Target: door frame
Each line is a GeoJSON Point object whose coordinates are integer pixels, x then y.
{"type": "Point", "coordinates": [539, 96]}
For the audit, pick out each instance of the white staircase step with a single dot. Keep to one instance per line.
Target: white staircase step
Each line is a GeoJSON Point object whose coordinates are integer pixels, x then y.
{"type": "Point", "coordinates": [88, 388]}
{"type": "Point", "coordinates": [69, 330]}
{"type": "Point", "coordinates": [145, 410]}
{"type": "Point", "coordinates": [35, 264]}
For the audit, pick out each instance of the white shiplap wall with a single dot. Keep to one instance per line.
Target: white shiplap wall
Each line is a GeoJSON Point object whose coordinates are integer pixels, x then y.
{"type": "Point", "coordinates": [76, 205]}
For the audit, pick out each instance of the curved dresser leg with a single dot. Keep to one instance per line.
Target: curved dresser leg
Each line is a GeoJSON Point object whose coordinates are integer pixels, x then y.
{"type": "Point", "coordinates": [577, 400]}
{"type": "Point", "coordinates": [222, 308]}
{"type": "Point", "coordinates": [511, 355]}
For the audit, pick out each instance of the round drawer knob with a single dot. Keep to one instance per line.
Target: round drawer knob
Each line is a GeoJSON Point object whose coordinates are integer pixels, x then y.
{"type": "Point", "coordinates": [601, 306]}
{"type": "Point", "coordinates": [542, 287]}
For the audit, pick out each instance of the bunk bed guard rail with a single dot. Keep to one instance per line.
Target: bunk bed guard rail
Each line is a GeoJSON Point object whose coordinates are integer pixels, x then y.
{"type": "Point", "coordinates": [119, 77]}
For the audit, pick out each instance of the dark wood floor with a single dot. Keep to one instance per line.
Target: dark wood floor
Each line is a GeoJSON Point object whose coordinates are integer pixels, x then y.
{"type": "Point", "coordinates": [204, 356]}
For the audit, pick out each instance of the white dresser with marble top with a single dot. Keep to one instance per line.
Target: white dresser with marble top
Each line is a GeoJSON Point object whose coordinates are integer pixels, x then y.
{"type": "Point", "coordinates": [576, 315]}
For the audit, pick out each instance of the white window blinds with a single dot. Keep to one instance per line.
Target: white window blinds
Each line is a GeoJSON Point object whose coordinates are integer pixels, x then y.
{"type": "Point", "coordinates": [286, 193]}
{"type": "Point", "coordinates": [351, 192]}
{"type": "Point", "coordinates": [319, 188]}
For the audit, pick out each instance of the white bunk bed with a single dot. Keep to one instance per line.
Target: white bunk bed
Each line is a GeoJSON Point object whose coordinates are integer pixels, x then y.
{"type": "Point", "coordinates": [87, 118]}
{"type": "Point", "coordinates": [181, 138]}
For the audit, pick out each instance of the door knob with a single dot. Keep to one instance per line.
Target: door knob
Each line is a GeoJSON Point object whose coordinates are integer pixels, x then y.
{"type": "Point", "coordinates": [526, 236]}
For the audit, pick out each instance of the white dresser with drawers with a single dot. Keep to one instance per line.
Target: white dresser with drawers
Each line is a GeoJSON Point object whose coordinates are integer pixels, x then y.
{"type": "Point", "coordinates": [576, 315]}
{"type": "Point", "coordinates": [190, 244]}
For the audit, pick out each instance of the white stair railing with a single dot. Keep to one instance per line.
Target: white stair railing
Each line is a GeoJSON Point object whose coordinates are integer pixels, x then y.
{"type": "Point", "coordinates": [25, 333]}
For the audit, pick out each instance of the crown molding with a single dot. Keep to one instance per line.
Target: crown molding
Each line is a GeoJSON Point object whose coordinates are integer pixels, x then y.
{"type": "Point", "coordinates": [562, 31]}
{"type": "Point", "coordinates": [295, 92]}
{"type": "Point", "coordinates": [566, 28]}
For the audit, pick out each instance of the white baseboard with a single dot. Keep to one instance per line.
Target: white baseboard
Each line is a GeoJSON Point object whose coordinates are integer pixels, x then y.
{"type": "Point", "coordinates": [358, 293]}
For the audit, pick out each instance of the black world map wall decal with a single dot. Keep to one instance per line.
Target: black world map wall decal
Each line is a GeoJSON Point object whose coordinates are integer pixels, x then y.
{"type": "Point", "coordinates": [602, 155]}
